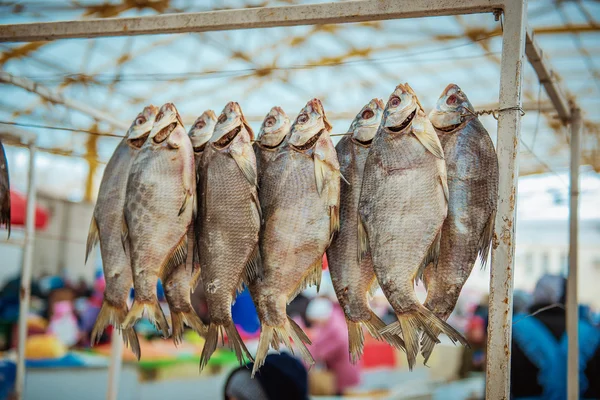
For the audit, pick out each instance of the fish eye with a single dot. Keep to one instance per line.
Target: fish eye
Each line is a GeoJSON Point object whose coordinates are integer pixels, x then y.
{"type": "Point", "coordinates": [140, 120]}
{"type": "Point", "coordinates": [222, 118]}
{"type": "Point", "coordinates": [367, 114]}
{"type": "Point", "coordinates": [270, 122]}
{"type": "Point", "coordinates": [200, 124]}
{"type": "Point", "coordinates": [452, 100]}
{"type": "Point", "coordinates": [302, 118]}
{"type": "Point", "coordinates": [395, 101]}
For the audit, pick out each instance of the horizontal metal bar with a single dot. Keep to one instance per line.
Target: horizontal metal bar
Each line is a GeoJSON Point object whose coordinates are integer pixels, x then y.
{"type": "Point", "coordinates": [546, 76]}
{"type": "Point", "coordinates": [249, 18]}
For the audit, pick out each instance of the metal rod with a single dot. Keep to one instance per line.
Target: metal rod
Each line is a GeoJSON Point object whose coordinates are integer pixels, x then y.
{"type": "Point", "coordinates": [114, 366]}
{"type": "Point", "coordinates": [249, 18]}
{"type": "Point", "coordinates": [547, 77]}
{"type": "Point", "coordinates": [572, 297]}
{"type": "Point", "coordinates": [47, 94]}
{"type": "Point", "coordinates": [503, 248]}
{"type": "Point", "coordinates": [25, 292]}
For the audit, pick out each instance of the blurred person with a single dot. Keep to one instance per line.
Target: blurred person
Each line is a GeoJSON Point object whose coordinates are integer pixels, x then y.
{"type": "Point", "coordinates": [281, 377]}
{"type": "Point", "coordinates": [540, 348]}
{"type": "Point", "coordinates": [521, 301]}
{"type": "Point", "coordinates": [330, 342]}
{"type": "Point", "coordinates": [474, 357]}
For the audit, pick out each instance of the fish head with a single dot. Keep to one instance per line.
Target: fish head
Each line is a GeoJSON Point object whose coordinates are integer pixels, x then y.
{"type": "Point", "coordinates": [274, 128]}
{"type": "Point", "coordinates": [451, 108]}
{"type": "Point", "coordinates": [168, 127]}
{"type": "Point", "coordinates": [202, 130]}
{"type": "Point", "coordinates": [229, 124]}
{"type": "Point", "coordinates": [400, 109]}
{"type": "Point", "coordinates": [365, 124]}
{"type": "Point", "coordinates": [140, 127]}
{"type": "Point", "coordinates": [309, 125]}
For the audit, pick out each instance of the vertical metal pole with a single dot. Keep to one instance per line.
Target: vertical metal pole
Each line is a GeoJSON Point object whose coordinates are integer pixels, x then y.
{"type": "Point", "coordinates": [114, 366]}
{"type": "Point", "coordinates": [25, 293]}
{"type": "Point", "coordinates": [503, 248]}
{"type": "Point", "coordinates": [572, 298]}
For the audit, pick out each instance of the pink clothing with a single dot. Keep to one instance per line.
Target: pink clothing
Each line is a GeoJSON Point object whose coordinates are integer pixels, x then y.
{"type": "Point", "coordinates": [330, 347]}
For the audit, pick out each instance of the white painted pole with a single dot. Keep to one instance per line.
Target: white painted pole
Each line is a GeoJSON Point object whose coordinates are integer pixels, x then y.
{"type": "Point", "coordinates": [572, 297]}
{"type": "Point", "coordinates": [114, 366]}
{"type": "Point", "coordinates": [25, 292]}
{"type": "Point", "coordinates": [503, 248]}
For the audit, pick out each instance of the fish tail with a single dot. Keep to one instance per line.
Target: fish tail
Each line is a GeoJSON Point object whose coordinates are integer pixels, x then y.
{"type": "Point", "coordinates": [112, 315]}
{"type": "Point", "coordinates": [427, 345]}
{"type": "Point", "coordinates": [212, 338]}
{"type": "Point", "coordinates": [409, 324]}
{"type": "Point", "coordinates": [286, 334]}
{"type": "Point", "coordinates": [189, 318]}
{"type": "Point", "coordinates": [374, 325]}
{"type": "Point", "coordinates": [154, 313]}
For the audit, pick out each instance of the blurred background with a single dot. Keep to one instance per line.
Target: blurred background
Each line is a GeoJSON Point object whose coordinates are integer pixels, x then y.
{"type": "Point", "coordinates": [345, 66]}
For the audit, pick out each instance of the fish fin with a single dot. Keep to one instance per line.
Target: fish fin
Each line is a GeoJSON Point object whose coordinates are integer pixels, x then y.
{"type": "Point", "coordinates": [312, 276]}
{"type": "Point", "coordinates": [373, 287]}
{"type": "Point", "coordinates": [177, 257]}
{"type": "Point", "coordinates": [334, 221]}
{"type": "Point", "coordinates": [179, 318]}
{"type": "Point", "coordinates": [153, 312]}
{"type": "Point", "coordinates": [409, 324]}
{"type": "Point", "coordinates": [245, 162]}
{"type": "Point", "coordinates": [113, 315]}
{"type": "Point", "coordinates": [253, 268]}
{"type": "Point", "coordinates": [432, 257]}
{"type": "Point", "coordinates": [374, 325]}
{"type": "Point", "coordinates": [189, 197]}
{"type": "Point", "coordinates": [424, 132]}
{"type": "Point", "coordinates": [125, 235]}
{"type": "Point", "coordinates": [486, 239]}
{"type": "Point", "coordinates": [92, 239]}
{"type": "Point", "coordinates": [195, 280]}
{"type": "Point", "coordinates": [320, 173]}
{"type": "Point", "coordinates": [212, 339]}
{"type": "Point", "coordinates": [5, 213]}
{"type": "Point", "coordinates": [257, 206]}
{"type": "Point", "coordinates": [282, 334]}
{"type": "Point", "coordinates": [363, 240]}
{"type": "Point", "coordinates": [427, 345]}
{"type": "Point", "coordinates": [345, 180]}
{"type": "Point", "coordinates": [444, 182]}
{"type": "Point", "coordinates": [356, 340]}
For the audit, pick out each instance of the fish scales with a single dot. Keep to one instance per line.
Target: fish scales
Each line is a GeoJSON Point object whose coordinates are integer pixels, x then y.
{"type": "Point", "coordinates": [472, 167]}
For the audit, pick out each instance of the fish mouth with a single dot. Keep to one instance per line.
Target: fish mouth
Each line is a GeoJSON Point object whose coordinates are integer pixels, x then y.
{"type": "Point", "coordinates": [164, 132]}
{"type": "Point", "coordinates": [404, 124]}
{"type": "Point", "coordinates": [226, 139]}
{"type": "Point", "coordinates": [200, 149]}
{"type": "Point", "coordinates": [450, 128]}
{"type": "Point", "coordinates": [138, 142]}
{"type": "Point", "coordinates": [363, 142]}
{"type": "Point", "coordinates": [273, 147]}
{"type": "Point", "coordinates": [309, 143]}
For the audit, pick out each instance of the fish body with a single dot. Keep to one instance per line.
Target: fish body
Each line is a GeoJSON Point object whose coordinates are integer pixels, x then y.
{"type": "Point", "coordinates": [300, 203]}
{"type": "Point", "coordinates": [272, 137]}
{"type": "Point", "coordinates": [229, 225]}
{"type": "Point", "coordinates": [4, 191]}
{"type": "Point", "coordinates": [472, 167]}
{"type": "Point", "coordinates": [200, 133]}
{"type": "Point", "coordinates": [159, 209]}
{"type": "Point", "coordinates": [353, 277]}
{"type": "Point", "coordinates": [106, 227]}
{"type": "Point", "coordinates": [402, 206]}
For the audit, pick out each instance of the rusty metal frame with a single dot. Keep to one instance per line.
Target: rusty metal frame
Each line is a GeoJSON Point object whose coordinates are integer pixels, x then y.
{"type": "Point", "coordinates": [517, 43]}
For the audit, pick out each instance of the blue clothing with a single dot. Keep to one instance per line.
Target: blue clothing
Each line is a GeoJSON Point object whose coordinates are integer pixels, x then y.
{"type": "Point", "coordinates": [549, 355]}
{"type": "Point", "coordinates": [244, 313]}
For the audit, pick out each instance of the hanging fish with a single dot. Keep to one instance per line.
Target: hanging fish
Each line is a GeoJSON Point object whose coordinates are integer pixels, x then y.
{"type": "Point", "coordinates": [159, 209]}
{"type": "Point", "coordinates": [106, 228]}
{"type": "Point", "coordinates": [403, 204]}
{"type": "Point", "coordinates": [200, 133]}
{"type": "Point", "coordinates": [473, 195]}
{"type": "Point", "coordinates": [271, 138]}
{"type": "Point", "coordinates": [229, 224]}
{"type": "Point", "coordinates": [4, 191]}
{"type": "Point", "coordinates": [352, 276]}
{"type": "Point", "coordinates": [300, 195]}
